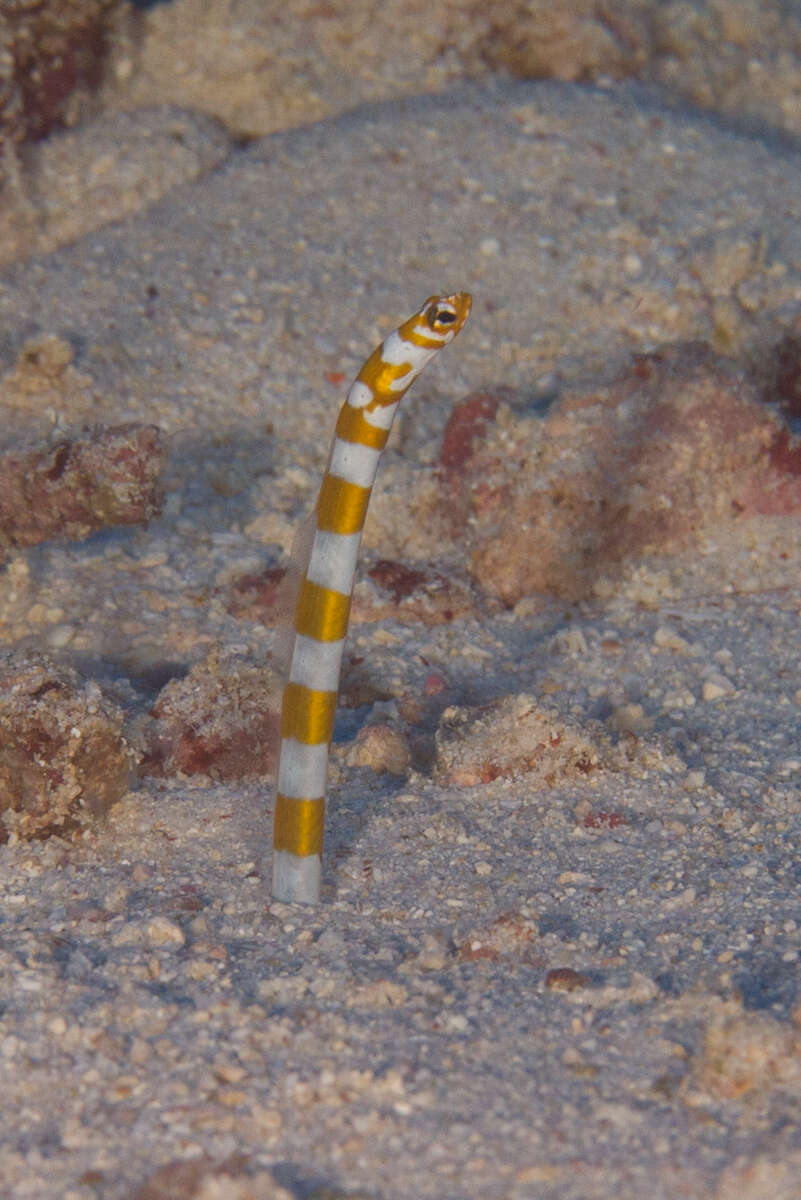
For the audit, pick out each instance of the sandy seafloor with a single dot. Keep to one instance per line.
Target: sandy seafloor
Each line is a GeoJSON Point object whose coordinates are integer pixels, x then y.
{"type": "Point", "coordinates": [400, 1040]}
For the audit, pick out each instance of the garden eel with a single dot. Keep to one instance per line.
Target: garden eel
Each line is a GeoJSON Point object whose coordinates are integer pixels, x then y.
{"type": "Point", "coordinates": [322, 602]}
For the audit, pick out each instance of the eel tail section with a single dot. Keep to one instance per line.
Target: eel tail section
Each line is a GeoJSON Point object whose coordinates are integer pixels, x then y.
{"type": "Point", "coordinates": [322, 606]}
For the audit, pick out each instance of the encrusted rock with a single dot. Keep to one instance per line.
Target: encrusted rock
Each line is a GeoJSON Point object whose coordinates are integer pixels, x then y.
{"type": "Point", "coordinates": [393, 589]}
{"type": "Point", "coordinates": [77, 484]}
{"type": "Point", "coordinates": [222, 720]}
{"type": "Point", "coordinates": [63, 759]}
{"type": "Point", "coordinates": [514, 736]}
{"type": "Point", "coordinates": [381, 747]}
{"type": "Point", "coordinates": [746, 1056]}
{"type": "Point", "coordinates": [679, 448]}
{"type": "Point", "coordinates": [52, 54]}
{"type": "Point", "coordinates": [203, 1178]}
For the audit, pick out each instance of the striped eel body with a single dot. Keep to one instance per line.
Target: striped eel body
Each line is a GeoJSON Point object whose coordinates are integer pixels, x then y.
{"type": "Point", "coordinates": [322, 606]}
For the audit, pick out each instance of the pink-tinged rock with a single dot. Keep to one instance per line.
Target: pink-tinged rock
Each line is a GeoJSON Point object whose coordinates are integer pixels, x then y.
{"type": "Point", "coordinates": [784, 381]}
{"type": "Point", "coordinates": [603, 819]}
{"type": "Point", "coordinates": [466, 427]}
{"type": "Point", "coordinates": [52, 49]}
{"type": "Point", "coordinates": [79, 484]}
{"type": "Point", "coordinates": [221, 720]}
{"type": "Point", "coordinates": [388, 588]}
{"type": "Point", "coordinates": [63, 759]}
{"type": "Point", "coordinates": [464, 468]}
{"type": "Point", "coordinates": [257, 596]}
{"type": "Point", "coordinates": [675, 449]}
{"type": "Point", "coordinates": [397, 590]}
{"type": "Point", "coordinates": [435, 683]}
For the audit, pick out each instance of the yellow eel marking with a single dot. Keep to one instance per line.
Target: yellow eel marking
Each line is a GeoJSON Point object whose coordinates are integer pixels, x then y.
{"type": "Point", "coordinates": [342, 506]}
{"type": "Point", "coordinates": [298, 825]}
{"type": "Point", "coordinates": [352, 427]}
{"type": "Point", "coordinates": [321, 613]}
{"type": "Point", "coordinates": [307, 715]}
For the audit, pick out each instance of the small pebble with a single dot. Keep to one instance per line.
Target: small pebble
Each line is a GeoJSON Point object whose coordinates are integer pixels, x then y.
{"type": "Point", "coordinates": [163, 932]}
{"type": "Point", "coordinates": [715, 686]}
{"type": "Point", "coordinates": [667, 639]}
{"type": "Point", "coordinates": [565, 979]}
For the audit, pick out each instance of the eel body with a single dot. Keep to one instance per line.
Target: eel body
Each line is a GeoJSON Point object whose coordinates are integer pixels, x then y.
{"type": "Point", "coordinates": [322, 604]}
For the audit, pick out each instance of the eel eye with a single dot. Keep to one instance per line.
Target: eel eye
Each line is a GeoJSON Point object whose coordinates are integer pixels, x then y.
{"type": "Point", "coordinates": [441, 316]}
